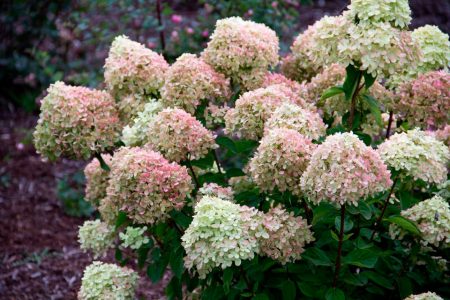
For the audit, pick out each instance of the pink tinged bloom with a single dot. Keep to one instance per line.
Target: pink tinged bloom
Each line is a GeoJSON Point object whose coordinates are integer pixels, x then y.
{"type": "Point", "coordinates": [189, 30]}
{"type": "Point", "coordinates": [205, 33]}
{"type": "Point", "coordinates": [177, 19]}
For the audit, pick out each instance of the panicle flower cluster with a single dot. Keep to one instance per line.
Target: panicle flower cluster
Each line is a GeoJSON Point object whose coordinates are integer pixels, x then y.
{"type": "Point", "coordinates": [107, 281]}
{"type": "Point", "coordinates": [425, 101]}
{"type": "Point", "coordinates": [344, 170]}
{"type": "Point", "coordinates": [129, 107]}
{"type": "Point", "coordinates": [131, 68]}
{"type": "Point", "coordinates": [189, 81]}
{"type": "Point", "coordinates": [250, 79]}
{"type": "Point", "coordinates": [145, 185]}
{"type": "Point", "coordinates": [432, 217]}
{"type": "Point", "coordinates": [291, 116]}
{"type": "Point", "coordinates": [96, 180]}
{"type": "Point", "coordinates": [395, 12]}
{"type": "Point", "coordinates": [324, 41]}
{"type": "Point", "coordinates": [179, 136]}
{"type": "Point", "coordinates": [134, 237]}
{"type": "Point", "coordinates": [435, 47]}
{"type": "Point", "coordinates": [276, 78]}
{"type": "Point", "coordinates": [379, 48]}
{"type": "Point", "coordinates": [442, 135]}
{"type": "Point", "coordinates": [299, 66]}
{"type": "Point", "coordinates": [221, 234]}
{"type": "Point", "coordinates": [237, 45]}
{"type": "Point", "coordinates": [215, 190]}
{"type": "Point", "coordinates": [280, 160]}
{"type": "Point", "coordinates": [215, 115]}
{"type": "Point", "coordinates": [416, 154]}
{"type": "Point", "coordinates": [425, 296]}
{"type": "Point", "coordinates": [96, 236]}
{"type": "Point", "coordinates": [253, 109]}
{"type": "Point", "coordinates": [288, 235]}
{"type": "Point", "coordinates": [75, 122]}
{"type": "Point", "coordinates": [135, 134]}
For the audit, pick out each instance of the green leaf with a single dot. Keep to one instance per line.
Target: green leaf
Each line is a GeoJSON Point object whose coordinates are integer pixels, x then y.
{"type": "Point", "coordinates": [369, 80]}
{"type": "Point", "coordinates": [176, 262]}
{"type": "Point", "coordinates": [180, 218]}
{"type": "Point", "coordinates": [121, 219]}
{"type": "Point", "coordinates": [227, 143]}
{"type": "Point", "coordinates": [323, 212]}
{"type": "Point", "coordinates": [103, 164]}
{"type": "Point", "coordinates": [317, 257]}
{"type": "Point", "coordinates": [374, 108]}
{"type": "Point", "coordinates": [361, 258]}
{"type": "Point", "coordinates": [142, 254]}
{"type": "Point", "coordinates": [348, 224]}
{"type": "Point", "coordinates": [334, 294]}
{"type": "Point", "coordinates": [335, 90]}
{"type": "Point", "coordinates": [404, 224]}
{"type": "Point", "coordinates": [307, 289]}
{"type": "Point", "coordinates": [260, 296]}
{"type": "Point", "coordinates": [156, 269]}
{"type": "Point", "coordinates": [245, 145]}
{"type": "Point", "coordinates": [379, 279]}
{"type": "Point", "coordinates": [227, 277]}
{"type": "Point", "coordinates": [204, 162]}
{"type": "Point", "coordinates": [351, 81]}
{"type": "Point", "coordinates": [234, 172]}
{"type": "Point", "coordinates": [288, 290]}
{"type": "Point", "coordinates": [365, 210]}
{"type": "Point", "coordinates": [174, 289]}
{"type": "Point", "coordinates": [404, 287]}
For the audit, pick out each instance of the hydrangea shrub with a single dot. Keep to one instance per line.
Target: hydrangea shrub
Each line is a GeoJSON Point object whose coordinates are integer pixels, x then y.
{"type": "Point", "coordinates": [329, 181]}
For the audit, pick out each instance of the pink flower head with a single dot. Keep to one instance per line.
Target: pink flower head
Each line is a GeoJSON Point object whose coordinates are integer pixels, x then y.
{"type": "Point", "coordinates": [177, 19]}
{"type": "Point", "coordinates": [189, 30]}
{"type": "Point", "coordinates": [179, 136]}
{"type": "Point", "coordinates": [146, 186]}
{"type": "Point", "coordinates": [205, 33]}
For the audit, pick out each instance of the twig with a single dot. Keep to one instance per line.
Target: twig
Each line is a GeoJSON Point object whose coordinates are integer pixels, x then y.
{"type": "Point", "coordinates": [339, 254]}
{"type": "Point", "coordinates": [217, 161]}
{"type": "Point", "coordinates": [386, 202]}
{"type": "Point", "coordinates": [162, 38]}
{"type": "Point", "coordinates": [388, 130]}
{"type": "Point", "coordinates": [103, 164]}
{"type": "Point", "coordinates": [353, 105]}
{"type": "Point", "coordinates": [188, 163]}
{"type": "Point", "coordinates": [307, 211]}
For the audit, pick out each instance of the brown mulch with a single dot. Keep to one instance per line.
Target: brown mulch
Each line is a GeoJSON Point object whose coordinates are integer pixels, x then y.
{"type": "Point", "coordinates": [39, 253]}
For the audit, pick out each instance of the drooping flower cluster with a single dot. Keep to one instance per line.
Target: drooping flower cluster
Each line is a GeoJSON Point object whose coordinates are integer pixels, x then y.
{"type": "Point", "coordinates": [395, 12]}
{"type": "Point", "coordinates": [425, 101]}
{"type": "Point", "coordinates": [179, 136]}
{"type": "Point", "coordinates": [131, 68]}
{"type": "Point", "coordinates": [145, 185]}
{"type": "Point", "coordinates": [432, 217]}
{"type": "Point", "coordinates": [75, 122]}
{"type": "Point", "coordinates": [344, 170]}
{"type": "Point", "coordinates": [215, 190]}
{"type": "Point", "coordinates": [252, 110]}
{"type": "Point", "coordinates": [435, 48]}
{"type": "Point", "coordinates": [288, 235]}
{"type": "Point", "coordinates": [280, 160]}
{"type": "Point", "coordinates": [242, 49]}
{"type": "Point", "coordinates": [96, 180]}
{"type": "Point", "coordinates": [221, 234]}
{"type": "Point", "coordinates": [134, 237]}
{"type": "Point", "coordinates": [107, 281]}
{"type": "Point", "coordinates": [417, 155]}
{"type": "Point", "coordinates": [135, 134]}
{"type": "Point", "coordinates": [291, 116]}
{"type": "Point", "coordinates": [425, 296]}
{"type": "Point", "coordinates": [189, 81]}
{"type": "Point", "coordinates": [96, 236]}
{"type": "Point", "coordinates": [442, 135]}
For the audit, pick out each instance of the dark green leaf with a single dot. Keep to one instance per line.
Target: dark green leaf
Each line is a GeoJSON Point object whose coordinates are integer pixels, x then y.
{"type": "Point", "coordinates": [374, 108]}
{"type": "Point", "coordinates": [176, 261]}
{"type": "Point", "coordinates": [379, 279]}
{"type": "Point", "coordinates": [361, 258]}
{"type": "Point", "coordinates": [260, 296]}
{"type": "Point", "coordinates": [365, 210]}
{"type": "Point", "coordinates": [180, 218]}
{"type": "Point", "coordinates": [307, 289]}
{"type": "Point", "coordinates": [335, 90]}
{"type": "Point", "coordinates": [317, 257]}
{"type": "Point", "coordinates": [323, 212]}
{"type": "Point", "coordinates": [103, 164]}
{"type": "Point", "coordinates": [369, 80]}
{"type": "Point", "coordinates": [227, 277]}
{"type": "Point", "coordinates": [351, 81]}
{"type": "Point", "coordinates": [404, 287]}
{"type": "Point", "coordinates": [334, 294]}
{"type": "Point", "coordinates": [288, 290]}
{"type": "Point", "coordinates": [227, 143]}
{"type": "Point", "coordinates": [174, 289]}
{"type": "Point", "coordinates": [142, 254]}
{"type": "Point", "coordinates": [245, 145]}
{"type": "Point", "coordinates": [121, 219]}
{"type": "Point", "coordinates": [404, 224]}
{"type": "Point", "coordinates": [205, 162]}
{"type": "Point", "coordinates": [348, 224]}
{"type": "Point", "coordinates": [234, 172]}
